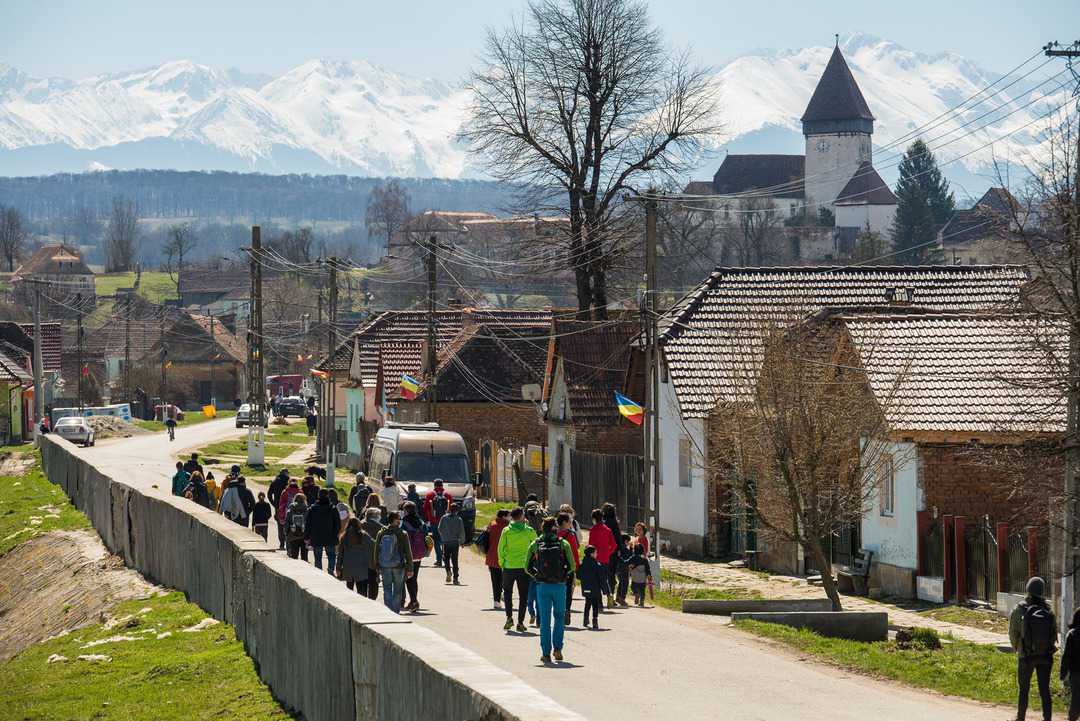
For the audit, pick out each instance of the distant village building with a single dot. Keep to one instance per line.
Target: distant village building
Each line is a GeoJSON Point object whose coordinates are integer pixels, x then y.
{"type": "Point", "coordinates": [985, 233]}
{"type": "Point", "coordinates": [65, 281]}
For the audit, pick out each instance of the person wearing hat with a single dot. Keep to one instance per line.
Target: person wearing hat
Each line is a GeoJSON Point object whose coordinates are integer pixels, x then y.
{"type": "Point", "coordinates": [1033, 635]}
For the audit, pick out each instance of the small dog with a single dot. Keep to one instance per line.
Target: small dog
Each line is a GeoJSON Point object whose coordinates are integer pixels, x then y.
{"type": "Point", "coordinates": [316, 471]}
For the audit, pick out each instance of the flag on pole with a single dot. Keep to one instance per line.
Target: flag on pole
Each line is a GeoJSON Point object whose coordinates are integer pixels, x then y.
{"type": "Point", "coordinates": [321, 375]}
{"type": "Point", "coordinates": [409, 387]}
{"type": "Point", "coordinates": [630, 410]}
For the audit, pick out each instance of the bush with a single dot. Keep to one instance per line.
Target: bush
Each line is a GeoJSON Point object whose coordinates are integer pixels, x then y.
{"type": "Point", "coordinates": [918, 638]}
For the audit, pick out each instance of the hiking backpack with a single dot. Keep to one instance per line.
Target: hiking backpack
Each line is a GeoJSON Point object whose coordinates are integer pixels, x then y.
{"type": "Point", "coordinates": [1038, 632]}
{"type": "Point", "coordinates": [389, 555]}
{"type": "Point", "coordinates": [439, 505]}
{"type": "Point", "coordinates": [360, 497]}
{"type": "Point", "coordinates": [551, 566]}
{"type": "Point", "coordinates": [296, 523]}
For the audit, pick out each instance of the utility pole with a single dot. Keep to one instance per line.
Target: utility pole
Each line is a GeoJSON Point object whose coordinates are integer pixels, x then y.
{"type": "Point", "coordinates": [330, 422]}
{"type": "Point", "coordinates": [256, 394]}
{"type": "Point", "coordinates": [164, 356]}
{"type": "Point", "coordinates": [653, 433]}
{"type": "Point", "coordinates": [39, 397]}
{"type": "Point", "coordinates": [1070, 578]}
{"type": "Point", "coordinates": [213, 357]}
{"type": "Point", "coordinates": [127, 350]}
{"type": "Point", "coordinates": [431, 391]}
{"type": "Point", "coordinates": [79, 344]}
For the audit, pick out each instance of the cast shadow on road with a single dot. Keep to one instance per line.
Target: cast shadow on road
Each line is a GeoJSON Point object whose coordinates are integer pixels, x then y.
{"type": "Point", "coordinates": [559, 665]}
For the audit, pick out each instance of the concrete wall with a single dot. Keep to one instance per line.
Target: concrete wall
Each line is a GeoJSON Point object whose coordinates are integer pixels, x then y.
{"type": "Point", "coordinates": [324, 651]}
{"type": "Point", "coordinates": [682, 508]}
{"type": "Point", "coordinates": [894, 537]}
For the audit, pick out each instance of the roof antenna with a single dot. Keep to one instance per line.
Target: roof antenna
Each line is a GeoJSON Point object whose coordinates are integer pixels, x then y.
{"type": "Point", "coordinates": [837, 39]}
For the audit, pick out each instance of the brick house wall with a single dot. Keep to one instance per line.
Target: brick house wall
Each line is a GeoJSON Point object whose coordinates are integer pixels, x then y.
{"type": "Point", "coordinates": [507, 424]}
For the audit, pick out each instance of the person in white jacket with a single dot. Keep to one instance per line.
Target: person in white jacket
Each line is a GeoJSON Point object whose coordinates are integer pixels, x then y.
{"type": "Point", "coordinates": [390, 495]}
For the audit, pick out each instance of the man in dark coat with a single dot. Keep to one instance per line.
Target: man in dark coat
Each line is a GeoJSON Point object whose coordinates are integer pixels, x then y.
{"type": "Point", "coordinates": [321, 530]}
{"type": "Point", "coordinates": [273, 494]}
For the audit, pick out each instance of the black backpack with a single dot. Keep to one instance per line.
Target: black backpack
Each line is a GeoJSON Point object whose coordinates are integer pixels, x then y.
{"type": "Point", "coordinates": [551, 564]}
{"type": "Point", "coordinates": [360, 496]}
{"type": "Point", "coordinates": [1039, 632]}
{"type": "Point", "coordinates": [483, 540]}
{"type": "Point", "coordinates": [439, 505]}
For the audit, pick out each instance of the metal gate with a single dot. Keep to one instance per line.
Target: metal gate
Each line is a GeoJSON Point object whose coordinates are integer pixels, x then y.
{"type": "Point", "coordinates": [934, 544]}
{"type": "Point", "coordinates": [980, 547]}
{"type": "Point", "coordinates": [598, 478]}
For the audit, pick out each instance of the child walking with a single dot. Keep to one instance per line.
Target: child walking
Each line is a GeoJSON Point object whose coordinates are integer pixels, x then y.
{"type": "Point", "coordinates": [592, 576]}
{"type": "Point", "coordinates": [640, 573]}
{"type": "Point", "coordinates": [260, 516]}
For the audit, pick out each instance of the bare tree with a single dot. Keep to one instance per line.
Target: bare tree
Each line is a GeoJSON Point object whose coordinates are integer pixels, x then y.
{"type": "Point", "coordinates": [804, 443]}
{"type": "Point", "coordinates": [12, 235]}
{"type": "Point", "coordinates": [294, 246]}
{"type": "Point", "coordinates": [690, 244]}
{"type": "Point", "coordinates": [387, 210]}
{"type": "Point", "coordinates": [181, 241]}
{"type": "Point", "coordinates": [122, 236]}
{"type": "Point", "coordinates": [578, 103]}
{"type": "Point", "coordinates": [756, 234]}
{"type": "Point", "coordinates": [84, 226]}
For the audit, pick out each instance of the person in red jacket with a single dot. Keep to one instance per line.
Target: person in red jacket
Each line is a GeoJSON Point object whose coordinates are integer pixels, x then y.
{"type": "Point", "coordinates": [285, 499]}
{"type": "Point", "coordinates": [436, 504]}
{"type": "Point", "coordinates": [494, 532]}
{"type": "Point", "coordinates": [603, 540]}
{"type": "Point", "coordinates": [566, 532]}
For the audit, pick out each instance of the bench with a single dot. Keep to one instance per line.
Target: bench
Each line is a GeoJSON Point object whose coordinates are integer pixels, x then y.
{"type": "Point", "coordinates": [856, 579]}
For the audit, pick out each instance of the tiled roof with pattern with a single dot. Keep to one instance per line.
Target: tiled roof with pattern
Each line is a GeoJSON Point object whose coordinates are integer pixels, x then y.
{"type": "Point", "coordinates": [960, 373]}
{"type": "Point", "coordinates": [396, 359]}
{"type": "Point", "coordinates": [708, 336]}
{"type": "Point", "coordinates": [12, 372]}
{"type": "Point", "coordinates": [489, 363]}
{"type": "Point", "coordinates": [595, 356]}
{"type": "Point", "coordinates": [110, 338]}
{"type": "Point", "coordinates": [51, 344]}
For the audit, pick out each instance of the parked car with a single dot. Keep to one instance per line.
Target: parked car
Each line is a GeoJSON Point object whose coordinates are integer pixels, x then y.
{"type": "Point", "coordinates": [75, 429]}
{"type": "Point", "coordinates": [243, 416]}
{"type": "Point", "coordinates": [293, 406]}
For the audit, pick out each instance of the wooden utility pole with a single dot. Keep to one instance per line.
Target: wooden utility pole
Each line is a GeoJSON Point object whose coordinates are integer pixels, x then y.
{"type": "Point", "coordinates": [331, 392]}
{"type": "Point", "coordinates": [256, 380]}
{"type": "Point", "coordinates": [431, 391]}
{"type": "Point", "coordinates": [164, 356]}
{"type": "Point", "coordinates": [213, 357]}
{"type": "Point", "coordinates": [79, 345]}
{"type": "Point", "coordinates": [39, 390]}
{"type": "Point", "coordinates": [653, 338]}
{"type": "Point", "coordinates": [127, 350]}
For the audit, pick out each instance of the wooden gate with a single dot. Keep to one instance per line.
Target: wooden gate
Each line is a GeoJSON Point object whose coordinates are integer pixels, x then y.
{"type": "Point", "coordinates": [981, 552]}
{"type": "Point", "coordinates": [598, 478]}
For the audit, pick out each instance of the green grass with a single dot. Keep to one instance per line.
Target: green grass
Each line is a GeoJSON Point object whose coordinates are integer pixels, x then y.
{"type": "Point", "coordinates": [983, 620]}
{"type": "Point", "coordinates": [191, 418]}
{"type": "Point", "coordinates": [155, 286]}
{"type": "Point", "coordinates": [674, 577]}
{"type": "Point", "coordinates": [671, 597]}
{"type": "Point", "coordinates": [238, 448]}
{"type": "Point", "coordinates": [960, 668]}
{"type": "Point", "coordinates": [30, 506]}
{"type": "Point", "coordinates": [185, 675]}
{"type": "Point", "coordinates": [485, 512]}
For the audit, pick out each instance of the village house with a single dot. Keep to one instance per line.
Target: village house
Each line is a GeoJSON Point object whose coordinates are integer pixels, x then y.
{"type": "Point", "coordinates": [60, 273]}
{"type": "Point", "coordinates": [707, 342]}
{"type": "Point", "coordinates": [17, 348]}
{"type": "Point", "coordinates": [202, 359]}
{"type": "Point", "coordinates": [15, 411]}
{"type": "Point", "coordinates": [980, 234]}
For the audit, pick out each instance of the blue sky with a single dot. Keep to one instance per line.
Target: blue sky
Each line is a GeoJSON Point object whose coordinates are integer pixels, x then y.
{"type": "Point", "coordinates": [440, 38]}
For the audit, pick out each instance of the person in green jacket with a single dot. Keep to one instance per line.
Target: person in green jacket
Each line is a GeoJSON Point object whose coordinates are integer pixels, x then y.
{"type": "Point", "coordinates": [513, 555]}
{"type": "Point", "coordinates": [550, 563]}
{"type": "Point", "coordinates": [179, 480]}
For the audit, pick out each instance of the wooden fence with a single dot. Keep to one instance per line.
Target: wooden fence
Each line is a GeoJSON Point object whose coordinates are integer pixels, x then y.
{"type": "Point", "coordinates": [620, 479]}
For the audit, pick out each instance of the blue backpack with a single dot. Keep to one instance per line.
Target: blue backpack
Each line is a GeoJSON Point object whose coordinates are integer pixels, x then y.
{"type": "Point", "coordinates": [389, 555]}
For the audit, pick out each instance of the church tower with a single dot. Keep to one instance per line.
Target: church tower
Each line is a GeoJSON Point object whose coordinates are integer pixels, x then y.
{"type": "Point", "coordinates": [837, 125]}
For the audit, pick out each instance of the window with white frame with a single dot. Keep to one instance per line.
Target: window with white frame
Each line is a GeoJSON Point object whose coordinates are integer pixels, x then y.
{"type": "Point", "coordinates": [887, 487]}
{"type": "Point", "coordinates": [684, 462]}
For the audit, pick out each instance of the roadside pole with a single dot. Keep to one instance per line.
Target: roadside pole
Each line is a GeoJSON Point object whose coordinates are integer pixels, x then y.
{"type": "Point", "coordinates": [331, 386]}
{"type": "Point", "coordinates": [39, 398]}
{"type": "Point", "coordinates": [256, 393]}
{"type": "Point", "coordinates": [654, 367]}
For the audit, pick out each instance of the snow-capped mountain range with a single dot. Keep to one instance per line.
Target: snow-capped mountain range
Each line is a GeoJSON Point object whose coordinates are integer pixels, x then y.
{"type": "Point", "coordinates": [358, 118]}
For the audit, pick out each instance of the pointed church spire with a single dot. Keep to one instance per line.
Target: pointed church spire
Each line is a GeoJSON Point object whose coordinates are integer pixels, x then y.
{"type": "Point", "coordinates": [837, 96]}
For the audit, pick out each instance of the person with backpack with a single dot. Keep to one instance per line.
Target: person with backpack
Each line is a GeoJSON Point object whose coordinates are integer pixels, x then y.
{"type": "Point", "coordinates": [1033, 635]}
{"type": "Point", "coordinates": [611, 520]}
{"type": "Point", "coordinates": [603, 541]}
{"type": "Point", "coordinates": [273, 493]}
{"type": "Point", "coordinates": [192, 464]}
{"type": "Point", "coordinates": [213, 492]}
{"type": "Point", "coordinates": [550, 562]}
{"type": "Point", "coordinates": [355, 557]}
{"type": "Point", "coordinates": [372, 525]}
{"type": "Point", "coordinates": [295, 517]}
{"type": "Point", "coordinates": [180, 480]}
{"type": "Point", "coordinates": [321, 530]}
{"type": "Point", "coordinates": [196, 488]}
{"type": "Point", "coordinates": [534, 513]}
{"type": "Point", "coordinates": [416, 531]}
{"type": "Point", "coordinates": [436, 505]}
{"type": "Point", "coordinates": [566, 532]}
{"type": "Point", "coordinates": [260, 517]}
{"type": "Point", "coordinates": [513, 552]}
{"type": "Point", "coordinates": [592, 575]}
{"type": "Point", "coordinates": [310, 490]}
{"type": "Point", "coordinates": [412, 495]}
{"type": "Point", "coordinates": [489, 544]}
{"type": "Point", "coordinates": [452, 533]}
{"type": "Point", "coordinates": [640, 574]}
{"type": "Point", "coordinates": [359, 494]}
{"type": "Point", "coordinates": [393, 558]}
{"type": "Point", "coordinates": [1070, 666]}
{"type": "Point", "coordinates": [238, 502]}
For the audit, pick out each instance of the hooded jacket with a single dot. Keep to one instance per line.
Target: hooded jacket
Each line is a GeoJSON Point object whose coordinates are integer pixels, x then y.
{"type": "Point", "coordinates": [592, 575]}
{"type": "Point", "coordinates": [452, 529]}
{"type": "Point", "coordinates": [514, 542]}
{"type": "Point", "coordinates": [601, 537]}
{"type": "Point", "coordinates": [276, 488]}
{"type": "Point", "coordinates": [355, 555]}
{"type": "Point", "coordinates": [323, 524]}
{"type": "Point", "coordinates": [371, 523]}
{"type": "Point", "coordinates": [494, 531]}
{"type": "Point", "coordinates": [534, 549]}
{"type": "Point", "coordinates": [286, 500]}
{"type": "Point", "coordinates": [414, 529]}
{"type": "Point", "coordinates": [297, 507]}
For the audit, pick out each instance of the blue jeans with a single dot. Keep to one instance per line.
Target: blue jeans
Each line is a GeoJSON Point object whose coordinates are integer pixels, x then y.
{"type": "Point", "coordinates": [531, 603]}
{"type": "Point", "coordinates": [434, 529]}
{"type": "Point", "coordinates": [551, 599]}
{"type": "Point", "coordinates": [393, 583]}
{"type": "Point", "coordinates": [331, 556]}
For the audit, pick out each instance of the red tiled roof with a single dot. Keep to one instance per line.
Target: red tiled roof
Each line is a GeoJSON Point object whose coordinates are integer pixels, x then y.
{"type": "Point", "coordinates": [51, 344]}
{"type": "Point", "coordinates": [54, 260]}
{"type": "Point", "coordinates": [12, 372]}
{"type": "Point", "coordinates": [490, 363]}
{"type": "Point", "coordinates": [708, 336]}
{"type": "Point", "coordinates": [595, 356]}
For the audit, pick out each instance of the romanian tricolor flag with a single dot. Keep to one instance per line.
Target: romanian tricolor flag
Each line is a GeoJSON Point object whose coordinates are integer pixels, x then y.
{"type": "Point", "coordinates": [409, 387]}
{"type": "Point", "coordinates": [632, 411]}
{"type": "Point", "coordinates": [321, 375]}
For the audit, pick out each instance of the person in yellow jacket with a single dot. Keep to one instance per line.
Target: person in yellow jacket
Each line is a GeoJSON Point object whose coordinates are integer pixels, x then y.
{"type": "Point", "coordinates": [213, 490]}
{"type": "Point", "coordinates": [513, 555]}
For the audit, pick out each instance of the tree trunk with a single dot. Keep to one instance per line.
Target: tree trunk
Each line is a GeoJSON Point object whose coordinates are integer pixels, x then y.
{"type": "Point", "coordinates": [813, 547]}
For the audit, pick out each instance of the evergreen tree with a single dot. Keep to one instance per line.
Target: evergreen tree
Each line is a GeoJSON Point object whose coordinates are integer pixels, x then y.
{"type": "Point", "coordinates": [924, 202]}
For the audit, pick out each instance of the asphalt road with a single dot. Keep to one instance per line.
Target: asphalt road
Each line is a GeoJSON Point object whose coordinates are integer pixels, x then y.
{"type": "Point", "coordinates": [643, 663]}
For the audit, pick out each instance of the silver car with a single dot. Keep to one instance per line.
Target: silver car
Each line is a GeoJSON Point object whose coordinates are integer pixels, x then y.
{"type": "Point", "coordinates": [75, 429]}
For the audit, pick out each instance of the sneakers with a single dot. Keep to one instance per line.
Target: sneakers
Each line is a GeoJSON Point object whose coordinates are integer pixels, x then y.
{"type": "Point", "coordinates": [448, 575]}
{"type": "Point", "coordinates": [545, 659]}
{"type": "Point", "coordinates": [498, 605]}
{"type": "Point", "coordinates": [622, 603]}
{"type": "Point", "coordinates": [508, 625]}
{"type": "Point", "coordinates": [457, 582]}
{"type": "Point", "coordinates": [438, 564]}
{"type": "Point", "coordinates": [595, 626]}
{"type": "Point", "coordinates": [521, 628]}
{"type": "Point", "coordinates": [558, 654]}
{"type": "Point", "coordinates": [610, 601]}
{"type": "Point", "coordinates": [532, 620]}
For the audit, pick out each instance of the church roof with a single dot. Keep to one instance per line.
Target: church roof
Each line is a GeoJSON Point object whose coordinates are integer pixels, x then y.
{"type": "Point", "coordinates": [866, 188]}
{"type": "Point", "coordinates": [740, 173]}
{"type": "Point", "coordinates": [837, 96]}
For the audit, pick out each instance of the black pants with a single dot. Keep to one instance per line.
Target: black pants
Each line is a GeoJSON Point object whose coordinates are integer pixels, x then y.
{"type": "Point", "coordinates": [450, 558]}
{"type": "Point", "coordinates": [410, 583]}
{"type": "Point", "coordinates": [298, 549]}
{"type": "Point", "coordinates": [623, 575]}
{"type": "Point", "coordinates": [613, 572]}
{"type": "Point", "coordinates": [1041, 668]}
{"type": "Point", "coordinates": [592, 603]}
{"type": "Point", "coordinates": [515, 577]}
{"type": "Point", "coordinates": [373, 585]}
{"type": "Point", "coordinates": [569, 592]}
{"type": "Point", "coordinates": [280, 535]}
{"type": "Point", "coordinates": [638, 589]}
{"type": "Point", "coordinates": [496, 582]}
{"type": "Point", "coordinates": [360, 586]}
{"type": "Point", "coordinates": [263, 530]}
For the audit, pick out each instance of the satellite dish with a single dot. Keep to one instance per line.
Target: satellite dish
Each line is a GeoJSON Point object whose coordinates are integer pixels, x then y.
{"type": "Point", "coordinates": [531, 392]}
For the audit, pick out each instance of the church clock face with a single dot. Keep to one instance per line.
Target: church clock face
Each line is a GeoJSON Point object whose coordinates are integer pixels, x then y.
{"type": "Point", "coordinates": [823, 146]}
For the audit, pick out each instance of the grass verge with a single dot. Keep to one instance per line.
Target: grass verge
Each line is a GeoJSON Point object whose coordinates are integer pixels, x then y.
{"type": "Point", "coordinates": [155, 286]}
{"type": "Point", "coordinates": [485, 512]}
{"type": "Point", "coordinates": [982, 620]}
{"type": "Point", "coordinates": [671, 597]}
{"type": "Point", "coordinates": [191, 418]}
{"type": "Point", "coordinates": [166, 672]}
{"type": "Point", "coordinates": [238, 448]}
{"type": "Point", "coordinates": [959, 668]}
{"type": "Point", "coordinates": [30, 506]}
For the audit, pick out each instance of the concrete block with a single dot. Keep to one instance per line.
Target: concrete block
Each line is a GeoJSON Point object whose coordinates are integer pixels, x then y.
{"type": "Point", "coordinates": [854, 625]}
{"type": "Point", "coordinates": [930, 588]}
{"type": "Point", "coordinates": [1006, 602]}
{"type": "Point", "coordinates": [726, 608]}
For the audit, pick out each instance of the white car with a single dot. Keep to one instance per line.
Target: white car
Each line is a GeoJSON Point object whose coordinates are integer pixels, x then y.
{"type": "Point", "coordinates": [75, 429]}
{"type": "Point", "coordinates": [243, 416]}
